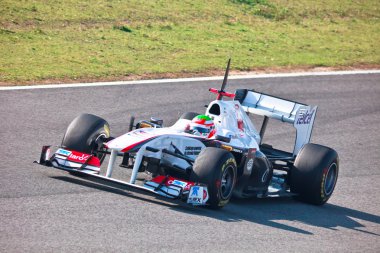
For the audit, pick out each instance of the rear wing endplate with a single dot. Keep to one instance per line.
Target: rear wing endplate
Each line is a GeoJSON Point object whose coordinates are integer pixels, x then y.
{"type": "Point", "coordinates": [300, 115]}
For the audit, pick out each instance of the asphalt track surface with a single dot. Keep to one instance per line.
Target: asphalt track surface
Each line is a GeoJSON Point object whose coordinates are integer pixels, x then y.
{"type": "Point", "coordinates": [46, 210]}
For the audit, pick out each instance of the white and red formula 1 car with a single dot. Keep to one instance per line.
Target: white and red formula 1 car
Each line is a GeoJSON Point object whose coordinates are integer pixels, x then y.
{"type": "Point", "coordinates": [200, 169]}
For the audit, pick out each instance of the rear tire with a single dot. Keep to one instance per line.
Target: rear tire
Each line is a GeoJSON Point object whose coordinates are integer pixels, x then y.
{"type": "Point", "coordinates": [86, 134]}
{"type": "Point", "coordinates": [314, 174]}
{"type": "Point", "coordinates": [216, 168]}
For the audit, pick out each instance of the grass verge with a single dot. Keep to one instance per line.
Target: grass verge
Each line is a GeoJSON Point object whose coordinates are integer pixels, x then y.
{"type": "Point", "coordinates": [95, 39]}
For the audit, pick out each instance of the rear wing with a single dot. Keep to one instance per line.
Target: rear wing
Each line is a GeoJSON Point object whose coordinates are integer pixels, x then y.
{"type": "Point", "coordinates": [300, 115]}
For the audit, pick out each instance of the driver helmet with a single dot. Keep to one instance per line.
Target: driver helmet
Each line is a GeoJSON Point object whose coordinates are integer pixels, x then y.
{"type": "Point", "coordinates": [202, 125]}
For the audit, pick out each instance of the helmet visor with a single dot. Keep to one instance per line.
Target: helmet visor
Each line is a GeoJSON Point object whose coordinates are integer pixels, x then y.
{"type": "Point", "coordinates": [201, 130]}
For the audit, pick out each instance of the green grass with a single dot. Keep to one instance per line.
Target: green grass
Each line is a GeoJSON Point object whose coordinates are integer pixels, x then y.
{"type": "Point", "coordinates": [67, 39]}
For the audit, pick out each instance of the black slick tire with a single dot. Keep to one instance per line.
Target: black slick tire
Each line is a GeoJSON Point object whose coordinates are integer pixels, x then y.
{"type": "Point", "coordinates": [314, 175]}
{"type": "Point", "coordinates": [85, 134]}
{"type": "Point", "coordinates": [217, 169]}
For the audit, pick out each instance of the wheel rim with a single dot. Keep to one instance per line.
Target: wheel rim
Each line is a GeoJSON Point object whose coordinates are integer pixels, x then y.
{"type": "Point", "coordinates": [97, 146]}
{"type": "Point", "coordinates": [330, 179]}
{"type": "Point", "coordinates": [227, 182]}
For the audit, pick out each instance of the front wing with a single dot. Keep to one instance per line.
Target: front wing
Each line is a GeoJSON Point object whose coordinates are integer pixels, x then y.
{"type": "Point", "coordinates": [87, 165]}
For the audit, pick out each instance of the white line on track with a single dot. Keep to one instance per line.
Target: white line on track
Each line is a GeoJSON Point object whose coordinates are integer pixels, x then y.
{"type": "Point", "coordinates": [195, 79]}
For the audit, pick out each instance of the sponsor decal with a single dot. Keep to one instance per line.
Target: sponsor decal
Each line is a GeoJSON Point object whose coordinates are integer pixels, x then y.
{"type": "Point", "coordinates": [250, 164]}
{"type": "Point", "coordinates": [137, 132]}
{"type": "Point", "coordinates": [77, 157]}
{"type": "Point", "coordinates": [325, 170]}
{"type": "Point", "coordinates": [177, 182]}
{"type": "Point", "coordinates": [205, 196]}
{"type": "Point", "coordinates": [107, 130]}
{"type": "Point", "coordinates": [192, 150]}
{"type": "Point", "coordinates": [194, 191]}
{"type": "Point", "coordinates": [81, 158]}
{"type": "Point", "coordinates": [63, 152]}
{"type": "Point", "coordinates": [198, 195]}
{"type": "Point", "coordinates": [237, 150]}
{"type": "Point", "coordinates": [231, 160]}
{"type": "Point", "coordinates": [250, 159]}
{"type": "Point", "coordinates": [171, 180]}
{"type": "Point", "coordinates": [305, 117]}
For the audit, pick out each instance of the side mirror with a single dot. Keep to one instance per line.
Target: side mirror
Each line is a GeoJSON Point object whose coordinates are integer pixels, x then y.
{"type": "Point", "coordinates": [156, 121]}
{"type": "Point", "coordinates": [131, 123]}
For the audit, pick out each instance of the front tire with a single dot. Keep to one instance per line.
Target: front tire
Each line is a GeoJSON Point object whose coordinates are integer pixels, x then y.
{"type": "Point", "coordinates": [86, 134]}
{"type": "Point", "coordinates": [314, 174]}
{"type": "Point", "coordinates": [217, 169]}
